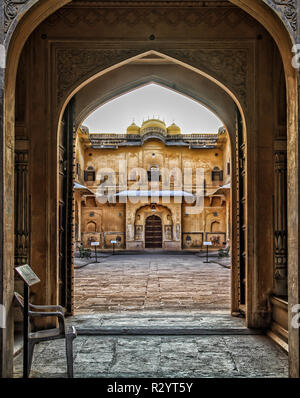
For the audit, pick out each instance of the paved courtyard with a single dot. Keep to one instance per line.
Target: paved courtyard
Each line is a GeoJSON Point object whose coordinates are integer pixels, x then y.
{"type": "Point", "coordinates": [195, 356]}
{"type": "Point", "coordinates": [128, 282]}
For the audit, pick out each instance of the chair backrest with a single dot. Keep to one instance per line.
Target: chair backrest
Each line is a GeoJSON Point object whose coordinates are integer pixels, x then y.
{"type": "Point", "coordinates": [19, 299]}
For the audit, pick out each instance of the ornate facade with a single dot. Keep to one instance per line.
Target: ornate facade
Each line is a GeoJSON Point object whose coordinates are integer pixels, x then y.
{"type": "Point", "coordinates": [127, 215]}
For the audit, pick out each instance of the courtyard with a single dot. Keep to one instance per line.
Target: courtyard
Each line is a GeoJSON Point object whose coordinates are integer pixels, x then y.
{"type": "Point", "coordinates": [156, 281]}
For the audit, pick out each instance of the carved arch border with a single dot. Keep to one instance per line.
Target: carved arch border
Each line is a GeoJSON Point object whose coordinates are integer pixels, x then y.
{"type": "Point", "coordinates": [21, 26]}
{"type": "Point", "coordinates": [230, 65]}
{"type": "Point", "coordinates": [14, 10]}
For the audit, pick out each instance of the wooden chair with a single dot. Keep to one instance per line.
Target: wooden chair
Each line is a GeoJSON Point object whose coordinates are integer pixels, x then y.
{"type": "Point", "coordinates": [38, 311]}
{"type": "Point", "coordinates": [84, 252]}
{"type": "Point", "coordinates": [224, 252]}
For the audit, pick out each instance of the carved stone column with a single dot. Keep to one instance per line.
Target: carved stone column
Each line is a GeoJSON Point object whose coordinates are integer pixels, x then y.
{"type": "Point", "coordinates": [280, 223]}
{"type": "Point", "coordinates": [22, 208]}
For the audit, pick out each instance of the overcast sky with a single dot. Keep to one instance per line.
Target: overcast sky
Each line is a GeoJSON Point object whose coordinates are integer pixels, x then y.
{"type": "Point", "coordinates": [146, 102]}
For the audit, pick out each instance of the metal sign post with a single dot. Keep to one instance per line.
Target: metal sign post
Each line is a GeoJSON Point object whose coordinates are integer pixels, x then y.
{"type": "Point", "coordinates": [95, 244]}
{"type": "Point", "coordinates": [113, 242]}
{"type": "Point", "coordinates": [207, 244]}
{"type": "Point", "coordinates": [25, 331]}
{"type": "Point", "coordinates": [29, 279]}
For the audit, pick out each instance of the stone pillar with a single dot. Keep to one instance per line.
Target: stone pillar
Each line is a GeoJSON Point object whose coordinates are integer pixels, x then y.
{"type": "Point", "coordinates": [22, 206]}
{"type": "Point", "coordinates": [293, 224]}
{"type": "Point", "coordinates": [2, 70]}
{"type": "Point", "coordinates": [280, 224]}
{"type": "Point", "coordinates": [6, 221]}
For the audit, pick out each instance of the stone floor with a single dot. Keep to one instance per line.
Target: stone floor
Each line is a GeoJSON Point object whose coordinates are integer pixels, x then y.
{"type": "Point", "coordinates": [214, 356]}
{"type": "Point", "coordinates": [126, 282]}
{"type": "Point", "coordinates": [164, 294]}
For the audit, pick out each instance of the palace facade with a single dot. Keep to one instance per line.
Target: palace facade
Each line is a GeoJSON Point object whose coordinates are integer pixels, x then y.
{"type": "Point", "coordinates": [141, 189]}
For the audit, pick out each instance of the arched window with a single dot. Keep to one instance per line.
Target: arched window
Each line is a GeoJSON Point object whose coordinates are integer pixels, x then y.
{"type": "Point", "coordinates": [154, 174]}
{"type": "Point", "coordinates": [78, 170]}
{"type": "Point", "coordinates": [90, 174]}
{"type": "Point", "coordinates": [217, 174]}
{"type": "Point", "coordinates": [132, 175]}
{"type": "Point", "coordinates": [215, 226]}
{"type": "Point", "coordinates": [91, 227]}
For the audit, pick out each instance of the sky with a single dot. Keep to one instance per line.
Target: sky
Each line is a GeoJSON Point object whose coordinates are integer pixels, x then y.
{"type": "Point", "coordinates": [148, 101]}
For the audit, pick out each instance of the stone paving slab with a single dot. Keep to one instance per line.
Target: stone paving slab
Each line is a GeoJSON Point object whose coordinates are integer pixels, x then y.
{"type": "Point", "coordinates": [157, 319]}
{"type": "Point", "coordinates": [161, 356]}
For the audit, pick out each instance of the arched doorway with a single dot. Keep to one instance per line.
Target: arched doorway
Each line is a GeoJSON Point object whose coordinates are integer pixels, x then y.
{"type": "Point", "coordinates": [153, 233]}
{"type": "Point", "coordinates": [293, 176]}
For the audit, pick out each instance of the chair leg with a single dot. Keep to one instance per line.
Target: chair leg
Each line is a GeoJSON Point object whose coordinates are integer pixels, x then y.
{"type": "Point", "coordinates": [69, 352]}
{"type": "Point", "coordinates": [30, 355]}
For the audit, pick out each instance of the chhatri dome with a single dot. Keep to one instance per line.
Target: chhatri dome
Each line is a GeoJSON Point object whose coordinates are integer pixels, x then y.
{"type": "Point", "coordinates": [133, 129]}
{"type": "Point", "coordinates": [153, 125]}
{"type": "Point", "coordinates": [174, 129]}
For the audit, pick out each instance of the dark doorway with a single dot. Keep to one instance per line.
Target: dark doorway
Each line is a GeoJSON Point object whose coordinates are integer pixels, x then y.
{"type": "Point", "coordinates": [153, 234]}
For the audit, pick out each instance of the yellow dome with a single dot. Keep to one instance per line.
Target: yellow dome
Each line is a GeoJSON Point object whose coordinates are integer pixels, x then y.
{"type": "Point", "coordinates": [174, 129]}
{"type": "Point", "coordinates": [133, 129]}
{"type": "Point", "coordinates": [154, 125]}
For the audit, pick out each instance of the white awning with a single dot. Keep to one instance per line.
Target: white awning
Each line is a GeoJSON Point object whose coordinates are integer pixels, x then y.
{"type": "Point", "coordinates": [223, 189]}
{"type": "Point", "coordinates": [166, 193]}
{"type": "Point", "coordinates": [82, 187]}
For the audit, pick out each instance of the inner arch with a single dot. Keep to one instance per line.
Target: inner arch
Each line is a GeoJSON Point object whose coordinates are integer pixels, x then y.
{"type": "Point", "coordinates": [152, 101]}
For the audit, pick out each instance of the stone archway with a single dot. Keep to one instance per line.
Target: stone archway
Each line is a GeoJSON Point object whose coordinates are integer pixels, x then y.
{"type": "Point", "coordinates": [167, 215]}
{"type": "Point", "coordinates": [265, 16]}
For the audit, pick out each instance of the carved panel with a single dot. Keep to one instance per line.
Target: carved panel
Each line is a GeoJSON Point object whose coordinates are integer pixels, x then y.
{"type": "Point", "coordinates": [287, 9]}
{"type": "Point", "coordinates": [11, 9]}
{"type": "Point", "coordinates": [229, 66]}
{"type": "Point", "coordinates": [22, 208]}
{"type": "Point", "coordinates": [191, 15]}
{"type": "Point", "coordinates": [75, 65]}
{"type": "Point", "coordinates": [280, 224]}
{"type": "Point", "coordinates": [241, 205]}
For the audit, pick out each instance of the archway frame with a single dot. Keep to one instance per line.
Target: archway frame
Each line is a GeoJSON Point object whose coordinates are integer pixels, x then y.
{"type": "Point", "coordinates": [273, 24]}
{"type": "Point", "coordinates": [223, 88]}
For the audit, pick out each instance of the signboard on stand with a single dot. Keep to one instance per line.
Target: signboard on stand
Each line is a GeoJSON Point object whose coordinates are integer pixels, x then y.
{"type": "Point", "coordinates": [27, 274]}
{"type": "Point", "coordinates": [95, 244]}
{"type": "Point", "coordinates": [207, 244]}
{"type": "Point", "coordinates": [113, 242]}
